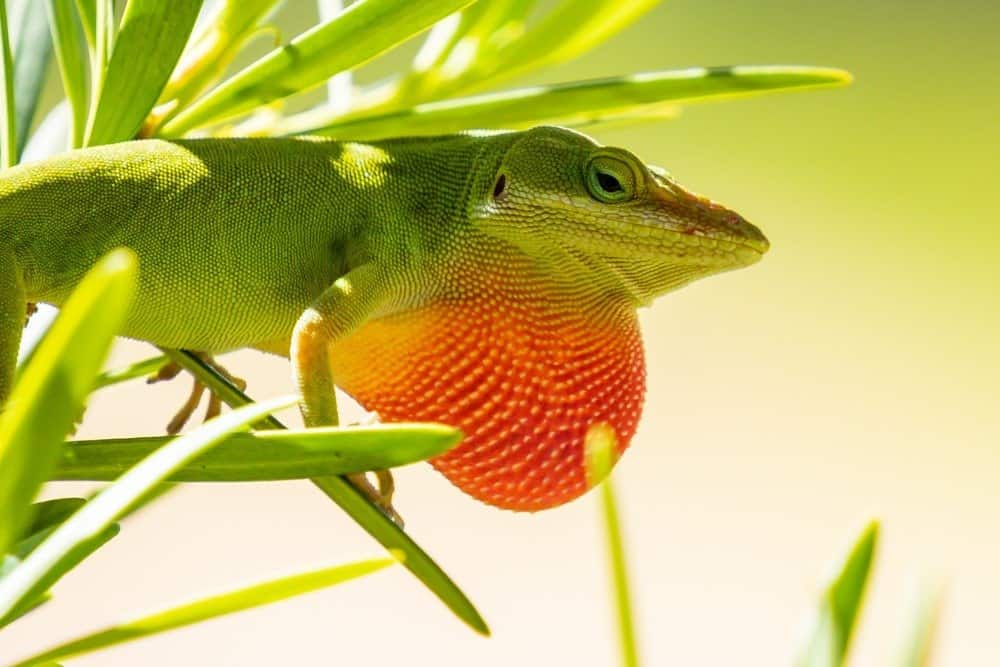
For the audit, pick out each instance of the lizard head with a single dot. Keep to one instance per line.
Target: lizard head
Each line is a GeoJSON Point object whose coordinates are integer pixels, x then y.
{"type": "Point", "coordinates": [566, 200]}
{"type": "Point", "coordinates": [533, 340]}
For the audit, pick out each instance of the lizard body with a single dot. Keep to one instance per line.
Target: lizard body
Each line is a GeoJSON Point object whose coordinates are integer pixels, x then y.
{"type": "Point", "coordinates": [486, 281]}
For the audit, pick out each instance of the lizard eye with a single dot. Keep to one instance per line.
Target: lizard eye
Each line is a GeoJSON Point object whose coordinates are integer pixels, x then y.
{"type": "Point", "coordinates": [500, 187]}
{"type": "Point", "coordinates": [610, 180]}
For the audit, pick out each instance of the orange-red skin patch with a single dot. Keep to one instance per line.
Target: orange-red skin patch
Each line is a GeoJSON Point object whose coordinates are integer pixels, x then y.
{"type": "Point", "coordinates": [523, 379]}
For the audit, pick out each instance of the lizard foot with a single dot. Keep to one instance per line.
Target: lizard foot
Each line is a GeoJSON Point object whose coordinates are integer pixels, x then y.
{"type": "Point", "coordinates": [381, 496]}
{"type": "Point", "coordinates": [171, 370]}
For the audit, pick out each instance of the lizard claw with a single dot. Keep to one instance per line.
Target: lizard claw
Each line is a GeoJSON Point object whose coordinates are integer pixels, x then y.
{"type": "Point", "coordinates": [171, 370]}
{"type": "Point", "coordinates": [381, 496]}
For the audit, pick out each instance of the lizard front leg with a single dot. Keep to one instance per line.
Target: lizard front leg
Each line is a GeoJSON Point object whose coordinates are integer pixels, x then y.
{"type": "Point", "coordinates": [337, 313]}
{"type": "Point", "coordinates": [13, 309]}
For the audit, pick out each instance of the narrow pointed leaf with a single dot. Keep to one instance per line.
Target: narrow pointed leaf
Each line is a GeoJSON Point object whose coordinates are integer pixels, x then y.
{"type": "Point", "coordinates": [50, 513]}
{"type": "Point", "coordinates": [31, 60]}
{"type": "Point", "coordinates": [570, 29]}
{"type": "Point", "coordinates": [359, 508]}
{"type": "Point", "coordinates": [255, 595]}
{"type": "Point", "coordinates": [601, 452]}
{"type": "Point", "coordinates": [146, 49]}
{"type": "Point", "coordinates": [570, 103]}
{"type": "Point", "coordinates": [71, 57]}
{"type": "Point", "coordinates": [209, 53]}
{"type": "Point", "coordinates": [139, 369]}
{"type": "Point", "coordinates": [8, 115]}
{"type": "Point", "coordinates": [98, 515]}
{"type": "Point", "coordinates": [88, 20]}
{"type": "Point", "coordinates": [840, 605]}
{"type": "Point", "coordinates": [269, 455]}
{"type": "Point", "coordinates": [917, 649]}
{"type": "Point", "coordinates": [36, 593]}
{"type": "Point", "coordinates": [366, 29]}
{"type": "Point", "coordinates": [462, 47]}
{"type": "Point", "coordinates": [51, 390]}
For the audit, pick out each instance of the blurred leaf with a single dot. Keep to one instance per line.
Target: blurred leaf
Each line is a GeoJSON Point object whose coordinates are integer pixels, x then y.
{"type": "Point", "coordinates": [570, 29]}
{"type": "Point", "coordinates": [51, 512]}
{"type": "Point", "coordinates": [917, 648]}
{"type": "Point", "coordinates": [71, 57]}
{"type": "Point", "coordinates": [36, 594]}
{"type": "Point", "coordinates": [364, 30]}
{"type": "Point", "coordinates": [146, 49]}
{"type": "Point", "coordinates": [601, 452]}
{"type": "Point", "coordinates": [256, 595]}
{"type": "Point", "coordinates": [33, 48]}
{"type": "Point", "coordinates": [87, 11]}
{"type": "Point", "coordinates": [139, 369]}
{"type": "Point", "coordinates": [8, 115]}
{"type": "Point", "coordinates": [570, 104]}
{"type": "Point", "coordinates": [50, 559]}
{"type": "Point", "coordinates": [841, 605]}
{"type": "Point", "coordinates": [357, 506]}
{"type": "Point", "coordinates": [267, 456]}
{"type": "Point", "coordinates": [51, 390]}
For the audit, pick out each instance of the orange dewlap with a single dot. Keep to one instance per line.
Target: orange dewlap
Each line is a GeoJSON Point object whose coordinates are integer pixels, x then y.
{"type": "Point", "coordinates": [523, 381]}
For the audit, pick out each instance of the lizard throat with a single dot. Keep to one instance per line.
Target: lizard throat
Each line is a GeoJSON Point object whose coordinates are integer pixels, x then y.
{"type": "Point", "coordinates": [522, 378]}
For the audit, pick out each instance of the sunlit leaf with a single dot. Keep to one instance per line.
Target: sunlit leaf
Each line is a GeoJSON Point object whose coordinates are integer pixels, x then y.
{"type": "Point", "coordinates": [36, 593]}
{"type": "Point", "coordinates": [139, 369]}
{"type": "Point", "coordinates": [146, 49]}
{"type": "Point", "coordinates": [569, 29]}
{"type": "Point", "coordinates": [840, 605]}
{"type": "Point", "coordinates": [70, 55]}
{"type": "Point", "coordinates": [269, 455]}
{"type": "Point", "coordinates": [8, 115]}
{"type": "Point", "coordinates": [568, 104]}
{"type": "Point", "coordinates": [51, 390]}
{"type": "Point", "coordinates": [357, 506]}
{"type": "Point", "coordinates": [97, 516]}
{"type": "Point", "coordinates": [364, 30]}
{"type": "Point", "coordinates": [920, 630]}
{"type": "Point", "coordinates": [601, 452]}
{"type": "Point", "coordinates": [255, 595]}
{"type": "Point", "coordinates": [209, 54]}
{"type": "Point", "coordinates": [32, 52]}
{"type": "Point", "coordinates": [88, 20]}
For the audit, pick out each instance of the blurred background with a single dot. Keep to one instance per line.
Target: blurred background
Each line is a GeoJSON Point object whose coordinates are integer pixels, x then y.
{"type": "Point", "coordinates": [854, 373]}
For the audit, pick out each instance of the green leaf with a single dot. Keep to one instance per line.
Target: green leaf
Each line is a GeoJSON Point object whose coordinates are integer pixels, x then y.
{"type": "Point", "coordinates": [256, 595]}
{"type": "Point", "coordinates": [88, 20]}
{"type": "Point", "coordinates": [97, 516]}
{"type": "Point", "coordinates": [357, 506]}
{"type": "Point", "coordinates": [32, 51]}
{"type": "Point", "coordinates": [139, 369]}
{"type": "Point", "coordinates": [209, 53]}
{"type": "Point", "coordinates": [36, 592]}
{"type": "Point", "coordinates": [146, 49]}
{"type": "Point", "coordinates": [70, 55]}
{"type": "Point", "coordinates": [840, 605]}
{"type": "Point", "coordinates": [50, 513]}
{"type": "Point", "coordinates": [570, 29]}
{"type": "Point", "coordinates": [576, 103]}
{"type": "Point", "coordinates": [366, 29]}
{"type": "Point", "coordinates": [269, 455]}
{"type": "Point", "coordinates": [921, 628]}
{"type": "Point", "coordinates": [601, 451]}
{"type": "Point", "coordinates": [51, 390]}
{"type": "Point", "coordinates": [8, 115]}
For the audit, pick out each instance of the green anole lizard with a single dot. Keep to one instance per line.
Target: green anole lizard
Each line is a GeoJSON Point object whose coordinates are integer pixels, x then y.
{"type": "Point", "coordinates": [487, 281]}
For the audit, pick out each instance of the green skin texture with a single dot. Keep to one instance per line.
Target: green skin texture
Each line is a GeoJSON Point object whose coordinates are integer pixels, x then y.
{"type": "Point", "coordinates": [289, 245]}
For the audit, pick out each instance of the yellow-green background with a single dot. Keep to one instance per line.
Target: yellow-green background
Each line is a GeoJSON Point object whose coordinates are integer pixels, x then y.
{"type": "Point", "coordinates": [853, 373]}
